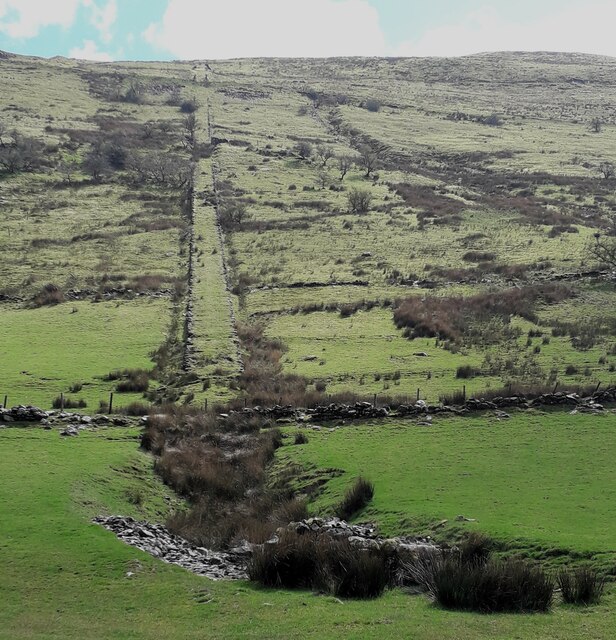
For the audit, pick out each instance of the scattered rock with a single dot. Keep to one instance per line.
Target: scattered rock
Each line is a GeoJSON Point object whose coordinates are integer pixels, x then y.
{"type": "Point", "coordinates": [158, 541]}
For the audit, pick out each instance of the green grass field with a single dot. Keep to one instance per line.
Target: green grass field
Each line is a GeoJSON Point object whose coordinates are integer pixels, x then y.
{"type": "Point", "coordinates": [46, 351]}
{"type": "Point", "coordinates": [66, 578]}
{"type": "Point", "coordinates": [537, 478]}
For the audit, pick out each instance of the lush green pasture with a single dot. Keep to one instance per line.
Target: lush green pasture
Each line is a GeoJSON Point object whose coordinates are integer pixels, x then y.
{"type": "Point", "coordinates": [537, 478]}
{"type": "Point", "coordinates": [46, 351]}
{"type": "Point", "coordinates": [66, 578]}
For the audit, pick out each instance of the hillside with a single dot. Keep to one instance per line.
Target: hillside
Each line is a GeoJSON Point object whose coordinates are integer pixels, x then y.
{"type": "Point", "coordinates": [484, 174]}
{"type": "Point", "coordinates": [186, 239]}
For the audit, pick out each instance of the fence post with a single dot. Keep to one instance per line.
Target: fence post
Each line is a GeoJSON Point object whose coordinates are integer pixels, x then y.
{"type": "Point", "coordinates": [111, 402]}
{"type": "Point", "coordinates": [6, 399]}
{"type": "Point", "coordinates": [205, 405]}
{"type": "Point", "coordinates": [61, 402]}
{"type": "Point", "coordinates": [464, 393]}
{"type": "Point", "coordinates": [417, 394]}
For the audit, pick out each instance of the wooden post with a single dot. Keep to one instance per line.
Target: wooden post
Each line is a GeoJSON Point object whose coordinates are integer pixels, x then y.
{"type": "Point", "coordinates": [6, 399]}
{"type": "Point", "coordinates": [245, 402]}
{"type": "Point", "coordinates": [417, 394]}
{"type": "Point", "coordinates": [61, 402]}
{"type": "Point", "coordinates": [111, 402]}
{"type": "Point", "coordinates": [205, 405]}
{"type": "Point", "coordinates": [464, 393]}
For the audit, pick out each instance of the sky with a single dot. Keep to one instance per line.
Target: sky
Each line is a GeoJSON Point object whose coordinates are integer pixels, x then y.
{"type": "Point", "coordinates": [213, 29]}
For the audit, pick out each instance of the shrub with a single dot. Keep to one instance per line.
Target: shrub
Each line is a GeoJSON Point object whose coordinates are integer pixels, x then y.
{"type": "Point", "coordinates": [130, 380]}
{"type": "Point", "coordinates": [373, 105]}
{"type": "Point", "coordinates": [355, 498]}
{"type": "Point", "coordinates": [581, 586]}
{"type": "Point", "coordinates": [189, 106]}
{"type": "Point", "coordinates": [348, 572]}
{"type": "Point", "coordinates": [301, 438]}
{"type": "Point", "coordinates": [303, 149]}
{"type": "Point", "coordinates": [359, 201]}
{"type": "Point", "coordinates": [290, 563]}
{"type": "Point", "coordinates": [50, 294]}
{"type": "Point", "coordinates": [571, 370]}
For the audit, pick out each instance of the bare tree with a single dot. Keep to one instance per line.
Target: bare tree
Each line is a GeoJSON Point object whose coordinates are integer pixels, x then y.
{"type": "Point", "coordinates": [189, 124]}
{"type": "Point", "coordinates": [22, 154]}
{"type": "Point", "coordinates": [369, 158]}
{"type": "Point", "coordinates": [344, 165]}
{"type": "Point", "coordinates": [603, 249]}
{"type": "Point", "coordinates": [607, 170]}
{"type": "Point", "coordinates": [324, 154]}
{"type": "Point", "coordinates": [95, 164]}
{"type": "Point", "coordinates": [323, 179]}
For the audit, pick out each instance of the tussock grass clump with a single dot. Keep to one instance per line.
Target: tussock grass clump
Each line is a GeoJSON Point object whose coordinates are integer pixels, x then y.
{"type": "Point", "coordinates": [67, 403]}
{"type": "Point", "coordinates": [130, 380]}
{"type": "Point", "coordinates": [482, 584]}
{"type": "Point", "coordinates": [467, 371]}
{"type": "Point", "coordinates": [355, 498]}
{"type": "Point", "coordinates": [320, 563]}
{"type": "Point", "coordinates": [583, 586]}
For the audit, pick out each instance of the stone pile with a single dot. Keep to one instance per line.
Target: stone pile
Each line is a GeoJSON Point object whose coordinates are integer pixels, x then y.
{"type": "Point", "coordinates": [22, 414]}
{"type": "Point", "coordinates": [364, 536]}
{"type": "Point", "coordinates": [156, 540]}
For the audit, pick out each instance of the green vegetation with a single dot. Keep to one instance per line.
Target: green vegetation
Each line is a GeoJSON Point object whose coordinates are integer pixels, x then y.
{"type": "Point", "coordinates": [537, 482]}
{"type": "Point", "coordinates": [62, 575]}
{"type": "Point", "coordinates": [267, 231]}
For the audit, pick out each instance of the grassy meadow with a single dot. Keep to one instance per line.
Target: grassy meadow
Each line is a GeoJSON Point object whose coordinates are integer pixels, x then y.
{"type": "Point", "coordinates": [63, 576]}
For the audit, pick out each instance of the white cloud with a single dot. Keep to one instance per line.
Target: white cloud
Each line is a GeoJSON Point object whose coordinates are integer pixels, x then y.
{"type": "Point", "coordinates": [25, 18]}
{"type": "Point", "coordinates": [89, 51]}
{"type": "Point", "coordinates": [103, 18]}
{"type": "Point", "coordinates": [587, 28]}
{"type": "Point", "coordinates": [285, 28]}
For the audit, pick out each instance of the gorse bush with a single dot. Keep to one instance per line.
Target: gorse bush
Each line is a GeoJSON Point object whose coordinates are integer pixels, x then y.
{"type": "Point", "coordinates": [581, 586]}
{"type": "Point", "coordinates": [355, 498]}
